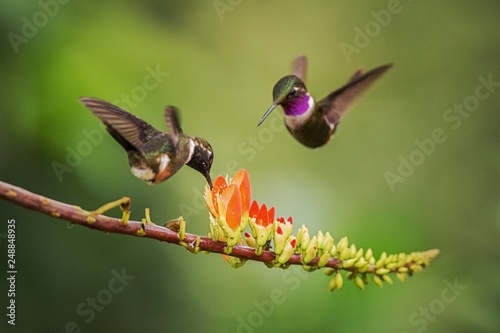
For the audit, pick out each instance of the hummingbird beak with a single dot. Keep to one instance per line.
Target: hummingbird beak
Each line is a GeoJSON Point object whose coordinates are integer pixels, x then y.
{"type": "Point", "coordinates": [209, 180]}
{"type": "Point", "coordinates": [273, 106]}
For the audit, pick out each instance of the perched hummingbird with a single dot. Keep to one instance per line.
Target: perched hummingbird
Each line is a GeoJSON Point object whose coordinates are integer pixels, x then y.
{"type": "Point", "coordinates": [311, 123]}
{"type": "Point", "coordinates": [153, 156]}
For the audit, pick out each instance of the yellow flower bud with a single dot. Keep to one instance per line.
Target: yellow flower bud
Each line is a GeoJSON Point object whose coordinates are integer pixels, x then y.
{"type": "Point", "coordinates": [377, 280]}
{"type": "Point", "coordinates": [391, 266]}
{"type": "Point", "coordinates": [379, 263]}
{"type": "Point", "coordinates": [342, 244]}
{"type": "Point", "coordinates": [333, 251]}
{"type": "Point", "coordinates": [401, 276]}
{"type": "Point", "coordinates": [327, 243]}
{"type": "Point", "coordinates": [250, 240]}
{"type": "Point", "coordinates": [310, 251]}
{"type": "Point", "coordinates": [360, 262]}
{"type": "Point", "coordinates": [359, 254]}
{"type": "Point", "coordinates": [349, 262]}
{"type": "Point", "coordinates": [305, 238]}
{"type": "Point", "coordinates": [387, 279]}
{"type": "Point", "coordinates": [382, 271]}
{"type": "Point", "coordinates": [279, 240]}
{"type": "Point", "coordinates": [352, 251]}
{"type": "Point", "coordinates": [359, 283]}
{"type": "Point", "coordinates": [416, 268]}
{"type": "Point", "coordinates": [320, 237]}
{"type": "Point", "coordinates": [323, 259]}
{"type": "Point", "coordinates": [332, 284]}
{"type": "Point", "coordinates": [288, 250]}
{"type": "Point", "coordinates": [339, 281]}
{"type": "Point", "coordinates": [369, 254]}
{"type": "Point", "coordinates": [403, 269]}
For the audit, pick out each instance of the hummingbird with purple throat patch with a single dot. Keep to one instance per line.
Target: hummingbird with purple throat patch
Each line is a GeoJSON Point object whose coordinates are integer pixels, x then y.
{"type": "Point", "coordinates": [314, 123]}
{"type": "Point", "coordinates": [153, 156]}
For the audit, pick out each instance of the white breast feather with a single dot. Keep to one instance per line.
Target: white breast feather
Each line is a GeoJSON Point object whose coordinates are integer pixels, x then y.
{"type": "Point", "coordinates": [144, 174]}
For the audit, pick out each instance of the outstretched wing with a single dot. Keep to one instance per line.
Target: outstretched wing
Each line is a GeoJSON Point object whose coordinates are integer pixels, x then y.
{"type": "Point", "coordinates": [341, 100]}
{"type": "Point", "coordinates": [300, 67]}
{"type": "Point", "coordinates": [129, 131]}
{"type": "Point", "coordinates": [173, 123]}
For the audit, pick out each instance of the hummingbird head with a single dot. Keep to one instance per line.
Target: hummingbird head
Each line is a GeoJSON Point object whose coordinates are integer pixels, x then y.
{"type": "Point", "coordinates": [291, 93]}
{"type": "Point", "coordinates": [202, 157]}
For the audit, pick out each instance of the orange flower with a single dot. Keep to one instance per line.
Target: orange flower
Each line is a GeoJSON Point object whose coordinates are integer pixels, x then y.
{"type": "Point", "coordinates": [242, 180]}
{"type": "Point", "coordinates": [262, 225]}
{"type": "Point", "coordinates": [212, 196]}
{"type": "Point", "coordinates": [225, 192]}
{"type": "Point", "coordinates": [230, 206]}
{"type": "Point", "coordinates": [261, 215]}
{"type": "Point", "coordinates": [228, 202]}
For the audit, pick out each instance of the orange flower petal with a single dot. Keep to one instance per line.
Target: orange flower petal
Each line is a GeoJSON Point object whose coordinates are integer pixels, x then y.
{"type": "Point", "coordinates": [242, 180]}
{"type": "Point", "coordinates": [219, 185]}
{"type": "Point", "coordinates": [210, 202]}
{"type": "Point", "coordinates": [254, 209]}
{"type": "Point", "coordinates": [262, 217]}
{"type": "Point", "coordinates": [232, 202]}
{"type": "Point", "coordinates": [270, 215]}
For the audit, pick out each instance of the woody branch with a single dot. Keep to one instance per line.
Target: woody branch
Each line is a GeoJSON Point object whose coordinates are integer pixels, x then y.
{"type": "Point", "coordinates": [77, 215]}
{"type": "Point", "coordinates": [356, 265]}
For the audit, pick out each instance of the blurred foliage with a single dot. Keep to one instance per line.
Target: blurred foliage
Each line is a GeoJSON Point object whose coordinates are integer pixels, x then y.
{"type": "Point", "coordinates": [222, 59]}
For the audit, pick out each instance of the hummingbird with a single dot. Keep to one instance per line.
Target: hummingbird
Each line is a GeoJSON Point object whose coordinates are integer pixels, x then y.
{"type": "Point", "coordinates": [153, 156]}
{"type": "Point", "coordinates": [314, 123]}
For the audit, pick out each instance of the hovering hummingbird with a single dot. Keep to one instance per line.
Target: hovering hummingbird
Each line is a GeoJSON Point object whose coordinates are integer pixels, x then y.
{"type": "Point", "coordinates": [314, 123]}
{"type": "Point", "coordinates": [153, 156]}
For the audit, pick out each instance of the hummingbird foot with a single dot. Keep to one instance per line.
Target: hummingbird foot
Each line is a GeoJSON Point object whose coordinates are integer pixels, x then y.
{"type": "Point", "coordinates": [124, 204]}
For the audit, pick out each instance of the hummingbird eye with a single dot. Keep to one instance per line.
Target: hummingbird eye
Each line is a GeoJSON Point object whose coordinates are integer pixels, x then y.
{"type": "Point", "coordinates": [292, 93]}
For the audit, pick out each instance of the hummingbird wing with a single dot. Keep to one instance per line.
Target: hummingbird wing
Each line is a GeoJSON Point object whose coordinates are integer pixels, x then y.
{"type": "Point", "coordinates": [173, 123]}
{"type": "Point", "coordinates": [300, 67]}
{"type": "Point", "coordinates": [356, 75]}
{"type": "Point", "coordinates": [129, 131]}
{"type": "Point", "coordinates": [341, 100]}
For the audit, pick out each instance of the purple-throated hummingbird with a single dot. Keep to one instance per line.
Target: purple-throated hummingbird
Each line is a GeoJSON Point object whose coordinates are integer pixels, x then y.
{"type": "Point", "coordinates": [314, 123]}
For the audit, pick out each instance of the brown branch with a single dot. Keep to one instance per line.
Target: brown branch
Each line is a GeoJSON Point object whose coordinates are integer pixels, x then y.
{"type": "Point", "coordinates": [402, 265]}
{"type": "Point", "coordinates": [77, 215]}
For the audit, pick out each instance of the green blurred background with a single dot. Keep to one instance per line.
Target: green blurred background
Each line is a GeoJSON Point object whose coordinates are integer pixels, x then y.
{"type": "Point", "coordinates": [218, 62]}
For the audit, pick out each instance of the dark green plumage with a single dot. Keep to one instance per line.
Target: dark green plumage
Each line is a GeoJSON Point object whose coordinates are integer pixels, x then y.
{"type": "Point", "coordinates": [154, 156]}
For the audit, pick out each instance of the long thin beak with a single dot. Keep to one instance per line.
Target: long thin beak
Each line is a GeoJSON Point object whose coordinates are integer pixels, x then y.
{"type": "Point", "coordinates": [209, 181]}
{"type": "Point", "coordinates": [273, 106]}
